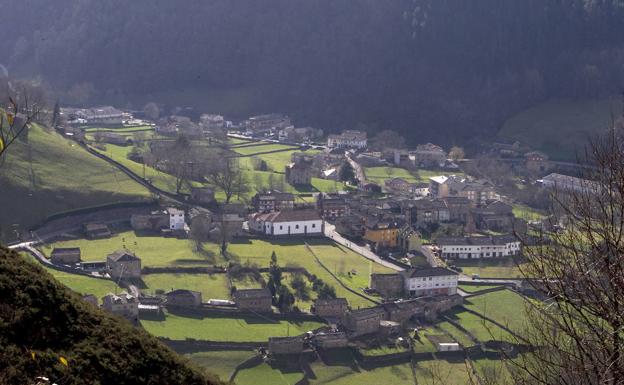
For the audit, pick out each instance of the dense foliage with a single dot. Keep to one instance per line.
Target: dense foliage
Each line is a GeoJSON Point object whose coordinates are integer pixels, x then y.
{"type": "Point", "coordinates": [47, 330]}
{"type": "Point", "coordinates": [442, 70]}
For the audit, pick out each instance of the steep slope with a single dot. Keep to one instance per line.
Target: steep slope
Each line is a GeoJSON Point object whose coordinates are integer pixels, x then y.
{"type": "Point", "coordinates": [45, 173]}
{"type": "Point", "coordinates": [441, 70]}
{"type": "Point", "coordinates": [561, 128]}
{"type": "Point", "coordinates": [42, 323]}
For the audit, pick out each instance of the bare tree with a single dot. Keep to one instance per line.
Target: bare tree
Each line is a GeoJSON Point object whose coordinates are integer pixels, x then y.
{"type": "Point", "coordinates": [457, 153]}
{"type": "Point", "coordinates": [225, 173]}
{"type": "Point", "coordinates": [578, 332]}
{"type": "Point", "coordinates": [23, 108]}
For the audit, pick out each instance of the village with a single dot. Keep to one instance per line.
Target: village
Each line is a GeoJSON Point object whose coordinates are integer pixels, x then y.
{"type": "Point", "coordinates": [291, 245]}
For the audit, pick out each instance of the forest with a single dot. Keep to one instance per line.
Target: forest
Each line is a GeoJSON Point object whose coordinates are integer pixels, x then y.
{"type": "Point", "coordinates": [449, 71]}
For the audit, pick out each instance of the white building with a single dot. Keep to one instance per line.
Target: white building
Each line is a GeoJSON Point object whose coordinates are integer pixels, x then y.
{"type": "Point", "coordinates": [568, 183]}
{"type": "Point", "coordinates": [211, 122]}
{"type": "Point", "coordinates": [176, 218]}
{"type": "Point", "coordinates": [287, 223]}
{"type": "Point", "coordinates": [348, 139]}
{"type": "Point", "coordinates": [479, 247]}
{"type": "Point", "coordinates": [430, 281]}
{"type": "Point", "coordinates": [123, 304]}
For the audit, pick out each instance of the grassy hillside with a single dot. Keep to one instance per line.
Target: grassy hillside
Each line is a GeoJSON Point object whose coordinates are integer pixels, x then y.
{"type": "Point", "coordinates": [560, 127]}
{"type": "Point", "coordinates": [45, 173]}
{"type": "Point", "coordinates": [47, 330]}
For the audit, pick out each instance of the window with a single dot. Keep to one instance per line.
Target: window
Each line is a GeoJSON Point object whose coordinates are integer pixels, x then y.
{"type": "Point", "coordinates": [296, 226]}
{"type": "Point", "coordinates": [313, 225]}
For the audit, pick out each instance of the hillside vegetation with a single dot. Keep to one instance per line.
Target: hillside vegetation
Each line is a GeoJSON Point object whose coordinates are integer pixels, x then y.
{"type": "Point", "coordinates": [561, 128]}
{"type": "Point", "coordinates": [45, 173]}
{"type": "Point", "coordinates": [447, 71]}
{"type": "Point", "coordinates": [47, 330]}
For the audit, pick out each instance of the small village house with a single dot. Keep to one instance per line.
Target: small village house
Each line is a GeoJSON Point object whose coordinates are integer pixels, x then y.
{"type": "Point", "coordinates": [431, 281]}
{"type": "Point", "coordinates": [364, 321]}
{"type": "Point", "coordinates": [330, 308]}
{"type": "Point", "coordinates": [287, 223]}
{"type": "Point", "coordinates": [429, 155]}
{"type": "Point", "coordinates": [383, 233]}
{"type": "Point", "coordinates": [256, 300]}
{"type": "Point", "coordinates": [65, 255]}
{"type": "Point", "coordinates": [176, 218]}
{"type": "Point", "coordinates": [184, 298]}
{"type": "Point", "coordinates": [123, 264]}
{"type": "Point", "coordinates": [285, 345]}
{"type": "Point", "coordinates": [153, 222]}
{"type": "Point", "coordinates": [387, 285]}
{"type": "Point", "coordinates": [348, 139]}
{"type": "Point", "coordinates": [335, 340]}
{"type": "Point", "coordinates": [299, 173]}
{"type": "Point", "coordinates": [273, 201]}
{"type": "Point", "coordinates": [124, 305]}
{"type": "Point", "coordinates": [331, 206]}
{"type": "Point", "coordinates": [478, 247]}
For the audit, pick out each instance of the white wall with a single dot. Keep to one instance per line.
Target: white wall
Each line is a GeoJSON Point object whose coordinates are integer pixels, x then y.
{"type": "Point", "coordinates": [296, 228]}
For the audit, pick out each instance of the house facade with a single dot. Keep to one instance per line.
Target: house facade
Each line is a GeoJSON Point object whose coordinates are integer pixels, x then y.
{"type": "Point", "coordinates": [123, 304]}
{"type": "Point", "coordinates": [273, 201]}
{"type": "Point", "coordinates": [184, 298]}
{"type": "Point", "coordinates": [331, 206]}
{"type": "Point", "coordinates": [176, 218]}
{"type": "Point", "coordinates": [364, 321]}
{"type": "Point", "coordinates": [299, 173]}
{"type": "Point", "coordinates": [123, 264]}
{"type": "Point", "coordinates": [430, 281]}
{"type": "Point", "coordinates": [287, 223]}
{"type": "Point", "coordinates": [330, 308]}
{"type": "Point", "coordinates": [65, 256]}
{"type": "Point", "coordinates": [348, 139]}
{"type": "Point", "coordinates": [429, 155]}
{"type": "Point", "coordinates": [257, 300]}
{"type": "Point", "coordinates": [384, 233]}
{"type": "Point", "coordinates": [478, 247]}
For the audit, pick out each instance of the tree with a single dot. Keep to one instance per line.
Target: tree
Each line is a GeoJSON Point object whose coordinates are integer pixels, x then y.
{"type": "Point", "coordinates": [226, 174]}
{"type": "Point", "coordinates": [326, 292]}
{"type": "Point", "coordinates": [151, 111]}
{"type": "Point", "coordinates": [387, 139]}
{"type": "Point", "coordinates": [286, 299]}
{"type": "Point", "coordinates": [200, 228]}
{"type": "Point", "coordinates": [56, 114]}
{"type": "Point", "coordinates": [577, 333]}
{"type": "Point", "coordinates": [275, 271]}
{"type": "Point", "coordinates": [15, 121]}
{"type": "Point", "coordinates": [300, 287]}
{"type": "Point", "coordinates": [347, 174]}
{"type": "Point", "coordinates": [457, 153]}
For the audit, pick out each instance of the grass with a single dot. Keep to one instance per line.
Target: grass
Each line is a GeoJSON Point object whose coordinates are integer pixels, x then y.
{"type": "Point", "coordinates": [345, 373]}
{"type": "Point", "coordinates": [119, 130]}
{"type": "Point", "coordinates": [527, 213]}
{"type": "Point", "coordinates": [443, 372]}
{"type": "Point", "coordinates": [153, 250]}
{"type": "Point", "coordinates": [489, 268]}
{"type": "Point", "coordinates": [225, 328]}
{"type": "Point", "coordinates": [457, 334]}
{"type": "Point", "coordinates": [337, 259]}
{"type": "Point", "coordinates": [381, 174]}
{"type": "Point", "coordinates": [264, 374]}
{"type": "Point", "coordinates": [261, 147]}
{"type": "Point", "coordinates": [505, 307]}
{"type": "Point", "coordinates": [159, 179]}
{"type": "Point", "coordinates": [481, 329]}
{"type": "Point", "coordinates": [560, 128]}
{"type": "Point", "coordinates": [210, 285]}
{"type": "Point", "coordinates": [45, 173]}
{"type": "Point", "coordinates": [475, 288]}
{"type": "Point", "coordinates": [81, 284]}
{"type": "Point", "coordinates": [222, 362]}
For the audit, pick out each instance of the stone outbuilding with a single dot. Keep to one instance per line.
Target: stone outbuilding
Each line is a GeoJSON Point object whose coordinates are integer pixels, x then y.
{"type": "Point", "coordinates": [184, 298]}
{"type": "Point", "coordinates": [285, 345]}
{"type": "Point", "coordinates": [65, 255]}
{"type": "Point", "coordinates": [364, 321]}
{"type": "Point", "coordinates": [388, 285]}
{"type": "Point", "coordinates": [123, 264]}
{"type": "Point", "coordinates": [257, 300]}
{"type": "Point", "coordinates": [331, 307]}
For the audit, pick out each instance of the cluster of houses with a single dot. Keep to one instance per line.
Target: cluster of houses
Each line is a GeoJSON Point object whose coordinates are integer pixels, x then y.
{"type": "Point", "coordinates": [382, 321]}
{"type": "Point", "coordinates": [102, 116]}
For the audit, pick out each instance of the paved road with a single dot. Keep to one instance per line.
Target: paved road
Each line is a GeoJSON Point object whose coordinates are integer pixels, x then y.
{"type": "Point", "coordinates": [359, 171]}
{"type": "Point", "coordinates": [330, 232]}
